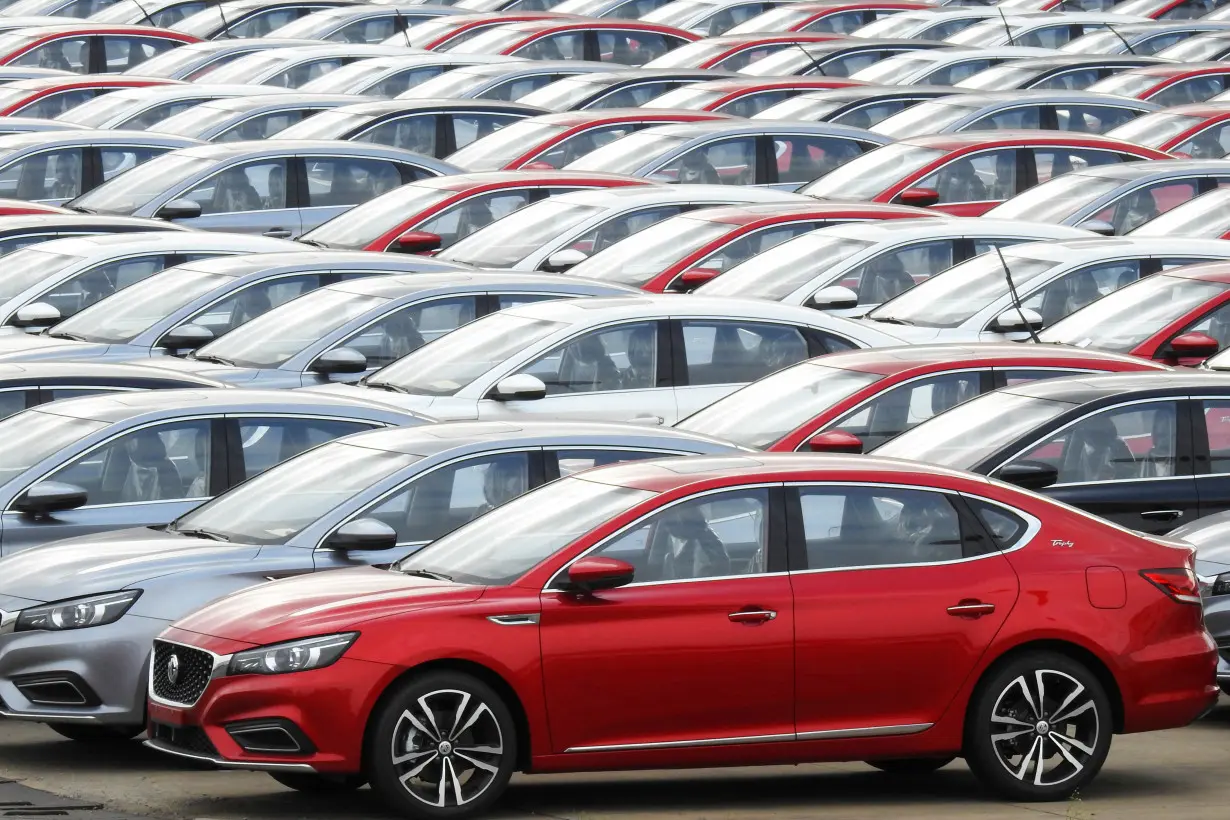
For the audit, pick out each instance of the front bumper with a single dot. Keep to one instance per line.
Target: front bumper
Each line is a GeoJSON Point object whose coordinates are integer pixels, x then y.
{"type": "Point", "coordinates": [106, 664]}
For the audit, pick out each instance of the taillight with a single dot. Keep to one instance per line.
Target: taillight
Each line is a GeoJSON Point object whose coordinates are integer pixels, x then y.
{"type": "Point", "coordinates": [1179, 584]}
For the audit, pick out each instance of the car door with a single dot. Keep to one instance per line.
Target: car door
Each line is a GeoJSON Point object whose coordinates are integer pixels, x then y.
{"type": "Point", "coordinates": [248, 197]}
{"type": "Point", "coordinates": [1211, 447]}
{"type": "Point", "coordinates": [1130, 463]}
{"type": "Point", "coordinates": [697, 649]}
{"type": "Point", "coordinates": [139, 478]}
{"type": "Point", "coordinates": [877, 574]}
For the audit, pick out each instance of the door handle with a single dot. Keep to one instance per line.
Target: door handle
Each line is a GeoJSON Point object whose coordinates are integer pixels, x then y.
{"type": "Point", "coordinates": [1162, 515]}
{"type": "Point", "coordinates": [752, 617]}
{"type": "Point", "coordinates": [971, 608]}
{"type": "Point", "coordinates": [647, 418]}
{"type": "Point", "coordinates": [278, 233]}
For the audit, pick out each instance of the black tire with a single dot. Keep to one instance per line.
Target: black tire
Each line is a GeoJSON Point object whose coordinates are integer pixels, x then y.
{"type": "Point", "coordinates": [1070, 751]}
{"type": "Point", "coordinates": [478, 752]}
{"type": "Point", "coordinates": [912, 765]}
{"type": "Point", "coordinates": [319, 783]}
{"type": "Point", "coordinates": [95, 733]}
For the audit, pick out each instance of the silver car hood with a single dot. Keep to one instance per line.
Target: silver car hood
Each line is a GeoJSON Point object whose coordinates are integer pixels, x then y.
{"type": "Point", "coordinates": [27, 348]}
{"type": "Point", "coordinates": [110, 561]}
{"type": "Point", "coordinates": [210, 370]}
{"type": "Point", "coordinates": [440, 408]}
{"type": "Point", "coordinates": [908, 333]}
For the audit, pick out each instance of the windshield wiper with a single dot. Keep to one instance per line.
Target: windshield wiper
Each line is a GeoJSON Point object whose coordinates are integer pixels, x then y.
{"type": "Point", "coordinates": [200, 533]}
{"type": "Point", "coordinates": [212, 359]}
{"type": "Point", "coordinates": [315, 243]}
{"type": "Point", "coordinates": [426, 573]}
{"type": "Point", "coordinates": [79, 209]}
{"type": "Point", "coordinates": [60, 334]}
{"type": "Point", "coordinates": [891, 320]}
{"type": "Point", "coordinates": [392, 388]}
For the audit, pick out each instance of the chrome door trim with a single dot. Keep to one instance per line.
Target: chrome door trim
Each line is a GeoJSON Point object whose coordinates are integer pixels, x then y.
{"type": "Point", "coordinates": [528, 619]}
{"type": "Point", "coordinates": [681, 744]}
{"type": "Point", "coordinates": [867, 731]}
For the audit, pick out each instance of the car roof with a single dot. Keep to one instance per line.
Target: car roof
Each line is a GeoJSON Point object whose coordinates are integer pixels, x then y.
{"type": "Point", "coordinates": [1074, 251]}
{"type": "Point", "coordinates": [768, 211]}
{"type": "Point", "coordinates": [965, 139]}
{"type": "Point", "coordinates": [1146, 169]}
{"type": "Point", "coordinates": [857, 93]}
{"type": "Point", "coordinates": [274, 147]}
{"type": "Point", "coordinates": [978, 97]}
{"type": "Point", "coordinates": [706, 128]}
{"type": "Point", "coordinates": [896, 230]}
{"type": "Point", "coordinates": [632, 195]}
{"type": "Point", "coordinates": [892, 360]}
{"type": "Point", "coordinates": [1063, 59]}
{"type": "Point", "coordinates": [16, 373]}
{"type": "Point", "coordinates": [19, 223]}
{"type": "Point", "coordinates": [107, 244]}
{"type": "Point", "coordinates": [633, 74]}
{"type": "Point", "coordinates": [1178, 69]}
{"type": "Point", "coordinates": [91, 136]}
{"type": "Point", "coordinates": [260, 263]}
{"type": "Point", "coordinates": [395, 287]}
{"type": "Point", "coordinates": [482, 179]}
{"type": "Point", "coordinates": [87, 80]}
{"type": "Point", "coordinates": [260, 101]}
{"type": "Point", "coordinates": [1209, 109]}
{"type": "Point", "coordinates": [1083, 389]}
{"type": "Point", "coordinates": [1209, 272]}
{"type": "Point", "coordinates": [940, 56]}
{"type": "Point", "coordinates": [656, 305]}
{"type": "Point", "coordinates": [398, 106]}
{"type": "Point", "coordinates": [591, 116]}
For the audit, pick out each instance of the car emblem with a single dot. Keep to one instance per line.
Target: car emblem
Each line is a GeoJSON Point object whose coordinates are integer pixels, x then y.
{"type": "Point", "coordinates": [173, 670]}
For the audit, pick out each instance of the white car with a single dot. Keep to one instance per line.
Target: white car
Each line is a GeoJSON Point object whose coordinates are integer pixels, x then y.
{"type": "Point", "coordinates": [853, 267]}
{"type": "Point", "coordinates": [942, 66]}
{"type": "Point", "coordinates": [650, 359]}
{"type": "Point", "coordinates": [557, 233]}
{"type": "Point", "coordinates": [972, 302]}
{"type": "Point", "coordinates": [1041, 29]}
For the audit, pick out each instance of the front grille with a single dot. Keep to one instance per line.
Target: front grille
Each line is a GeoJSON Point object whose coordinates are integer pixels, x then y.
{"type": "Point", "coordinates": [188, 738]}
{"type": "Point", "coordinates": [194, 669]}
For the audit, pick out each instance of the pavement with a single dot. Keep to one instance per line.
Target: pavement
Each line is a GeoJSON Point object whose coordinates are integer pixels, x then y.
{"type": "Point", "coordinates": [1182, 774]}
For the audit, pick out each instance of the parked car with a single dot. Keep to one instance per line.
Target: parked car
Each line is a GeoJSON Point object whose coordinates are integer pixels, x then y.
{"type": "Point", "coordinates": [859, 399]}
{"type": "Point", "coordinates": [1199, 131]}
{"type": "Point", "coordinates": [1207, 216]}
{"type": "Point", "coordinates": [390, 76]}
{"type": "Point", "coordinates": [626, 42]}
{"type": "Point", "coordinates": [242, 186]}
{"type": "Point", "coordinates": [138, 109]}
{"type": "Point", "coordinates": [616, 89]}
{"type": "Point", "coordinates": [942, 66]}
{"type": "Point", "coordinates": [443, 33]}
{"type": "Point", "coordinates": [1207, 535]}
{"type": "Point", "coordinates": [255, 117]}
{"type": "Point", "coordinates": [829, 17]}
{"type": "Point", "coordinates": [708, 18]}
{"type": "Point", "coordinates": [249, 19]}
{"type": "Point", "coordinates": [26, 125]}
{"type": "Point", "coordinates": [734, 51]}
{"type": "Point", "coordinates": [295, 67]}
{"type": "Point", "coordinates": [859, 106]}
{"type": "Point", "coordinates": [746, 96]}
{"type": "Point", "coordinates": [610, 579]}
{"type": "Point", "coordinates": [88, 47]}
{"type": "Point", "coordinates": [363, 22]}
{"type": "Point", "coordinates": [434, 214]}
{"type": "Point", "coordinates": [622, 9]}
{"type": "Point", "coordinates": [18, 232]}
{"type": "Point", "coordinates": [1040, 29]}
{"type": "Point", "coordinates": [196, 60]}
{"type": "Point", "coordinates": [502, 81]}
{"type": "Point", "coordinates": [1198, 49]}
{"type": "Point", "coordinates": [1171, 9]}
{"type": "Point", "coordinates": [51, 96]}
{"type": "Point", "coordinates": [1083, 112]}
{"type": "Point", "coordinates": [927, 22]}
{"type": "Point", "coordinates": [158, 13]}
{"type": "Point", "coordinates": [1141, 38]}
{"type": "Point", "coordinates": [973, 302]}
{"type": "Point", "coordinates": [369, 482]}
{"type": "Point", "coordinates": [837, 58]}
{"type": "Point", "coordinates": [1074, 72]}
{"type": "Point", "coordinates": [1168, 84]}
{"type": "Point", "coordinates": [969, 174]}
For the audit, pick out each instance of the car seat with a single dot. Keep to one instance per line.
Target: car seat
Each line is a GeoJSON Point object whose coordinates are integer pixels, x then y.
{"type": "Point", "coordinates": [585, 367]}
{"type": "Point", "coordinates": [1096, 453]}
{"type": "Point", "coordinates": [682, 546]}
{"type": "Point", "coordinates": [1159, 461]}
{"type": "Point", "coordinates": [151, 475]}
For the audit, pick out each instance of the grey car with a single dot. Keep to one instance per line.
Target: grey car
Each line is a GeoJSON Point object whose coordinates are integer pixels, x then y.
{"type": "Point", "coordinates": [390, 76]}
{"type": "Point", "coordinates": [368, 498]}
{"type": "Point", "coordinates": [26, 125]}
{"type": "Point", "coordinates": [363, 23]}
{"type": "Point", "coordinates": [23, 386]}
{"type": "Point", "coordinates": [293, 67]}
{"type": "Point", "coordinates": [255, 117]}
{"type": "Point", "coordinates": [249, 20]}
{"type": "Point", "coordinates": [183, 308]}
{"type": "Point", "coordinates": [342, 332]}
{"type": "Point", "coordinates": [1211, 538]}
{"type": "Point", "coordinates": [99, 463]}
{"type": "Point", "coordinates": [140, 108]}
{"type": "Point", "coordinates": [502, 81]}
{"type": "Point", "coordinates": [278, 188]}
{"type": "Point", "coordinates": [195, 60]}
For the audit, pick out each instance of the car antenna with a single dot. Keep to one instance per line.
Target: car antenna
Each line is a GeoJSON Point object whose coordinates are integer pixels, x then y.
{"type": "Point", "coordinates": [1016, 298]}
{"type": "Point", "coordinates": [1007, 28]}
{"type": "Point", "coordinates": [813, 62]}
{"type": "Point", "coordinates": [405, 26]}
{"type": "Point", "coordinates": [145, 18]}
{"type": "Point", "coordinates": [1126, 44]}
{"type": "Point", "coordinates": [226, 26]}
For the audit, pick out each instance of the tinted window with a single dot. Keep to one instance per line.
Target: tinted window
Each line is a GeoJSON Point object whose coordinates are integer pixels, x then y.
{"type": "Point", "coordinates": [463, 219]}
{"type": "Point", "coordinates": [257, 186]}
{"type": "Point", "coordinates": [893, 412]}
{"type": "Point", "coordinates": [125, 53]}
{"type": "Point", "coordinates": [67, 54]}
{"type": "Point", "coordinates": [268, 442]}
{"type": "Point", "coordinates": [1138, 207]}
{"type": "Point", "coordinates": [726, 162]}
{"type": "Point", "coordinates": [349, 181]}
{"type": "Point", "coordinates": [118, 159]}
{"type": "Point", "coordinates": [738, 352]}
{"type": "Point", "coordinates": [469, 127]}
{"type": "Point", "coordinates": [410, 328]}
{"type": "Point", "coordinates": [631, 48]}
{"type": "Point", "coordinates": [412, 133]}
{"type": "Point", "coordinates": [990, 175]}
{"type": "Point", "coordinates": [168, 461]}
{"type": "Point", "coordinates": [49, 175]}
{"type": "Point", "coordinates": [97, 283]}
{"type": "Point", "coordinates": [619, 358]}
{"type": "Point", "coordinates": [802, 159]}
{"type": "Point", "coordinates": [253, 301]}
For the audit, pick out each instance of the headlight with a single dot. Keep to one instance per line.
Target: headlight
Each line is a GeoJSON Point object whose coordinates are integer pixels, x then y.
{"type": "Point", "coordinates": [292, 656]}
{"type": "Point", "coordinates": [77, 613]}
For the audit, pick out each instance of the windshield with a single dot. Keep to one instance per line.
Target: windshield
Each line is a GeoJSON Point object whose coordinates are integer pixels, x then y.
{"type": "Point", "coordinates": [280, 503]}
{"type": "Point", "coordinates": [269, 340]}
{"type": "Point", "coordinates": [33, 435]}
{"type": "Point", "coordinates": [121, 318]}
{"type": "Point", "coordinates": [951, 297]}
{"type": "Point", "coordinates": [692, 55]}
{"type": "Point", "coordinates": [1196, 49]}
{"type": "Point", "coordinates": [627, 154]}
{"type": "Point", "coordinates": [507, 241]}
{"type": "Point", "coordinates": [564, 94]}
{"type": "Point", "coordinates": [26, 268]}
{"type": "Point", "coordinates": [446, 365]}
{"type": "Point", "coordinates": [455, 83]}
{"type": "Point", "coordinates": [252, 68]}
{"type": "Point", "coordinates": [357, 227]}
{"type": "Point", "coordinates": [1154, 129]}
{"type": "Point", "coordinates": [896, 70]}
{"type": "Point", "coordinates": [327, 125]}
{"type": "Point", "coordinates": [924, 118]}
{"type": "Point", "coordinates": [422, 35]}
{"type": "Point", "coordinates": [639, 258]}
{"type": "Point", "coordinates": [497, 150]}
{"type": "Point", "coordinates": [803, 107]}
{"type": "Point", "coordinates": [509, 541]}
{"type": "Point", "coordinates": [759, 415]}
{"type": "Point", "coordinates": [679, 12]}
{"type": "Point", "coordinates": [1206, 216]}
{"type": "Point", "coordinates": [1000, 78]}
{"type": "Point", "coordinates": [986, 33]}
{"type": "Point", "coordinates": [1124, 318]}
{"type": "Point", "coordinates": [129, 191]}
{"type": "Point", "coordinates": [693, 97]}
{"type": "Point", "coordinates": [99, 111]}
{"type": "Point", "coordinates": [1097, 42]}
{"type": "Point", "coordinates": [1126, 84]}
{"type": "Point", "coordinates": [783, 269]}
{"type": "Point", "coordinates": [492, 41]}
{"type": "Point", "coordinates": [968, 433]}
{"type": "Point", "coordinates": [1056, 199]}
{"type": "Point", "coordinates": [871, 174]}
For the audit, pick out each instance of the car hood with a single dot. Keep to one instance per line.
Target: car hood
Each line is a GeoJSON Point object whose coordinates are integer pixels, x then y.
{"type": "Point", "coordinates": [909, 333]}
{"type": "Point", "coordinates": [28, 348]}
{"type": "Point", "coordinates": [440, 408]}
{"type": "Point", "coordinates": [210, 370]}
{"type": "Point", "coordinates": [320, 604]}
{"type": "Point", "coordinates": [109, 562]}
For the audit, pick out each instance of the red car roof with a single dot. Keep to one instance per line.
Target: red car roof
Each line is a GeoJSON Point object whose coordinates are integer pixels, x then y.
{"type": "Point", "coordinates": [535, 27]}
{"type": "Point", "coordinates": [512, 179]}
{"type": "Point", "coordinates": [963, 140]}
{"type": "Point", "coordinates": [770, 212]}
{"type": "Point", "coordinates": [769, 83]}
{"type": "Point", "coordinates": [1211, 272]}
{"type": "Point", "coordinates": [91, 28]}
{"type": "Point", "coordinates": [887, 361]}
{"type": "Point", "coordinates": [44, 85]}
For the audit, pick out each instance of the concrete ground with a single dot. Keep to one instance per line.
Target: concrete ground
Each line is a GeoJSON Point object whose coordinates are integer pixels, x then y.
{"type": "Point", "coordinates": [1181, 774]}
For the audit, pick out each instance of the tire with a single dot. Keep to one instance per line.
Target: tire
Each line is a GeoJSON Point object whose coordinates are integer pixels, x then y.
{"type": "Point", "coordinates": [319, 783]}
{"type": "Point", "coordinates": [912, 765]}
{"type": "Point", "coordinates": [474, 757]}
{"type": "Point", "coordinates": [1034, 757]}
{"type": "Point", "coordinates": [95, 733]}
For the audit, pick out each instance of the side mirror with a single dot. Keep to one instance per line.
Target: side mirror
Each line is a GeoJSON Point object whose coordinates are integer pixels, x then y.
{"type": "Point", "coordinates": [836, 441]}
{"type": "Point", "coordinates": [362, 534]}
{"type": "Point", "coordinates": [834, 297]}
{"type": "Point", "coordinates": [50, 496]}
{"type": "Point", "coordinates": [186, 337]}
{"type": "Point", "coordinates": [419, 241]}
{"type": "Point", "coordinates": [595, 573]}
{"type": "Point", "coordinates": [339, 360]}
{"type": "Point", "coordinates": [695, 277]}
{"type": "Point", "coordinates": [519, 387]}
{"type": "Point", "coordinates": [561, 261]}
{"type": "Point", "coordinates": [1188, 346]}
{"type": "Point", "coordinates": [1031, 475]}
{"type": "Point", "coordinates": [179, 209]}
{"type": "Point", "coordinates": [919, 197]}
{"type": "Point", "coordinates": [1098, 226]}
{"type": "Point", "coordinates": [1017, 321]}
{"type": "Point", "coordinates": [36, 315]}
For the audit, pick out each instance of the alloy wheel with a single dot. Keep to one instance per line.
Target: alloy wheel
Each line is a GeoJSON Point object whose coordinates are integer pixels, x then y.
{"type": "Point", "coordinates": [1044, 727]}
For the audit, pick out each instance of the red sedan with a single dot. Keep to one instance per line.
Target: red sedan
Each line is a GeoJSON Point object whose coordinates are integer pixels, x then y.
{"type": "Point", "coordinates": [968, 173]}
{"type": "Point", "coordinates": [732, 52]}
{"type": "Point", "coordinates": [51, 96]}
{"type": "Point", "coordinates": [627, 42]}
{"type": "Point", "coordinates": [432, 214]}
{"type": "Point", "coordinates": [1180, 317]}
{"type": "Point", "coordinates": [716, 611]}
{"type": "Point", "coordinates": [88, 47]}
{"type": "Point", "coordinates": [855, 401]}
{"type": "Point", "coordinates": [554, 140]}
{"type": "Point", "coordinates": [745, 97]}
{"type": "Point", "coordinates": [830, 18]}
{"type": "Point", "coordinates": [1196, 131]}
{"type": "Point", "coordinates": [1168, 85]}
{"type": "Point", "coordinates": [685, 251]}
{"type": "Point", "coordinates": [442, 33]}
